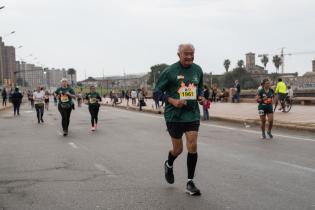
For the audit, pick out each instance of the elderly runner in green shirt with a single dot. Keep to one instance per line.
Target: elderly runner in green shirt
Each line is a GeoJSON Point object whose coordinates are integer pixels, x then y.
{"type": "Point", "coordinates": [182, 84]}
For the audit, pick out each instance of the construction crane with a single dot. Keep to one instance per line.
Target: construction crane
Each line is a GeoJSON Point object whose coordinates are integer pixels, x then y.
{"type": "Point", "coordinates": [283, 54]}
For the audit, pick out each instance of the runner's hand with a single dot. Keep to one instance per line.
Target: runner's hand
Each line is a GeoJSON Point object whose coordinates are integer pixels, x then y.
{"type": "Point", "coordinates": [177, 103]}
{"type": "Point", "coordinates": [201, 99]}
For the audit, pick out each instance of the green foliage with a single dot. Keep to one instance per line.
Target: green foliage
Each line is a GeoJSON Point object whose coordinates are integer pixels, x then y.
{"type": "Point", "coordinates": [227, 64]}
{"type": "Point", "coordinates": [277, 61]}
{"type": "Point", "coordinates": [156, 71]}
{"type": "Point", "coordinates": [240, 64]}
{"type": "Point", "coordinates": [245, 79]}
{"type": "Point", "coordinates": [264, 60]}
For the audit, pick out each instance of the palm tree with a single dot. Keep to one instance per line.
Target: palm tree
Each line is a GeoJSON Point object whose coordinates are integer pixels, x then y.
{"type": "Point", "coordinates": [265, 60]}
{"type": "Point", "coordinates": [71, 72]}
{"type": "Point", "coordinates": [240, 64]}
{"type": "Point", "coordinates": [227, 64]}
{"type": "Point", "coordinates": [277, 61]}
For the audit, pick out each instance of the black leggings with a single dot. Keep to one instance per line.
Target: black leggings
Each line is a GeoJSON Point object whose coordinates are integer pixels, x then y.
{"type": "Point", "coordinates": [39, 111]}
{"type": "Point", "coordinates": [94, 114]}
{"type": "Point", "coordinates": [65, 115]}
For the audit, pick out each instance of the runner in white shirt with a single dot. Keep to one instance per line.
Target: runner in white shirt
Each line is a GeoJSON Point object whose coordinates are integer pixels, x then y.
{"type": "Point", "coordinates": [39, 96]}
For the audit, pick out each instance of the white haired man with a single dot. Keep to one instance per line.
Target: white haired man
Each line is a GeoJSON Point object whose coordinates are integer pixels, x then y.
{"type": "Point", "coordinates": [183, 84]}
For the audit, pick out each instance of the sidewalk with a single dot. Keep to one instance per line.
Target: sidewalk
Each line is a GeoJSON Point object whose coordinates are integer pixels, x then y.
{"type": "Point", "coordinates": [9, 105]}
{"type": "Point", "coordinates": [300, 117]}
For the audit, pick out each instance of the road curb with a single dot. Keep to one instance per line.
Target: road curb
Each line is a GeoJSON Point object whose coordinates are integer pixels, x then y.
{"type": "Point", "coordinates": [277, 124]}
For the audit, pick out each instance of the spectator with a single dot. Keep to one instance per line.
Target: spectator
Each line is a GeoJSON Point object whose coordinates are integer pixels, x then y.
{"type": "Point", "coordinates": [141, 97]}
{"type": "Point", "coordinates": [206, 92]}
{"type": "Point", "coordinates": [4, 97]}
{"type": "Point", "coordinates": [236, 96]}
{"type": "Point", "coordinates": [290, 92]}
{"type": "Point", "coordinates": [223, 97]}
{"type": "Point", "coordinates": [127, 97]}
{"type": "Point", "coordinates": [206, 107]}
{"type": "Point", "coordinates": [214, 93]}
{"type": "Point", "coordinates": [156, 98]}
{"type": "Point", "coordinates": [133, 97]}
{"type": "Point", "coordinates": [16, 101]}
{"type": "Point", "coordinates": [111, 96]}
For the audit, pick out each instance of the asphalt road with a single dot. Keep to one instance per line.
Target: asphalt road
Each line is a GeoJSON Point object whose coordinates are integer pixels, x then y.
{"type": "Point", "coordinates": [121, 165]}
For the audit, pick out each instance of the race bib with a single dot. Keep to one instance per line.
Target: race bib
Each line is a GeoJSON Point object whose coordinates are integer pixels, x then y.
{"type": "Point", "coordinates": [64, 98]}
{"type": "Point", "coordinates": [187, 92]}
{"type": "Point", "coordinates": [93, 100]}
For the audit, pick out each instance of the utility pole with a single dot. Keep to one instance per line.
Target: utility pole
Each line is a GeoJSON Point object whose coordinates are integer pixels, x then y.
{"type": "Point", "coordinates": [282, 60]}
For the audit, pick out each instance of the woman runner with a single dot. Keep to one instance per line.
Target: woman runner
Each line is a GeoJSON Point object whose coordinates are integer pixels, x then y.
{"type": "Point", "coordinates": [38, 97]}
{"type": "Point", "coordinates": [65, 94]}
{"type": "Point", "coordinates": [47, 100]}
{"type": "Point", "coordinates": [265, 98]}
{"type": "Point", "coordinates": [92, 99]}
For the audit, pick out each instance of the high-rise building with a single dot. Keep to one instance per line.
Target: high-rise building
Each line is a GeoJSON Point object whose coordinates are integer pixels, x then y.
{"type": "Point", "coordinates": [1, 60]}
{"type": "Point", "coordinates": [9, 65]}
{"type": "Point", "coordinates": [313, 62]}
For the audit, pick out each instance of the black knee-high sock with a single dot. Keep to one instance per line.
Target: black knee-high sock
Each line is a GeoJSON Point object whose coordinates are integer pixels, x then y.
{"type": "Point", "coordinates": [171, 159]}
{"type": "Point", "coordinates": [191, 164]}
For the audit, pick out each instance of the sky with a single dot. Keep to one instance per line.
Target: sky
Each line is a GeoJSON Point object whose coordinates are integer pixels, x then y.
{"type": "Point", "coordinates": [117, 36]}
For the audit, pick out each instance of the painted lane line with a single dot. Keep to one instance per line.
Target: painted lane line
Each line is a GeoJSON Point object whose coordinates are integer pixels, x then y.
{"type": "Point", "coordinates": [296, 166]}
{"type": "Point", "coordinates": [102, 168]}
{"type": "Point", "coordinates": [73, 145]}
{"type": "Point", "coordinates": [230, 128]}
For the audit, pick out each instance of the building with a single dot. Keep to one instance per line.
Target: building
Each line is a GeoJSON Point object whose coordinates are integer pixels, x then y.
{"type": "Point", "coordinates": [9, 65]}
{"type": "Point", "coordinates": [313, 62]}
{"type": "Point", "coordinates": [251, 66]}
{"type": "Point", "coordinates": [1, 60]}
{"type": "Point", "coordinates": [54, 77]}
{"type": "Point", "coordinates": [127, 82]}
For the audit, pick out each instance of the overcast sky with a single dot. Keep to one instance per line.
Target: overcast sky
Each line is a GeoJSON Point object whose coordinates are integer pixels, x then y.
{"type": "Point", "coordinates": [135, 34]}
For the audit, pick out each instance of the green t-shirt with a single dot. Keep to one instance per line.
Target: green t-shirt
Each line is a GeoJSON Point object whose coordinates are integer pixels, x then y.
{"type": "Point", "coordinates": [93, 98]}
{"type": "Point", "coordinates": [265, 104]}
{"type": "Point", "coordinates": [62, 93]}
{"type": "Point", "coordinates": [181, 83]}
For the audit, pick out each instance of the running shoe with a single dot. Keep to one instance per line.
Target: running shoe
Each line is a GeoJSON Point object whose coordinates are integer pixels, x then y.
{"type": "Point", "coordinates": [169, 176]}
{"type": "Point", "coordinates": [269, 134]}
{"type": "Point", "coordinates": [263, 135]}
{"type": "Point", "coordinates": [42, 120]}
{"type": "Point", "coordinates": [65, 133]}
{"type": "Point", "coordinates": [191, 189]}
{"type": "Point", "coordinates": [92, 128]}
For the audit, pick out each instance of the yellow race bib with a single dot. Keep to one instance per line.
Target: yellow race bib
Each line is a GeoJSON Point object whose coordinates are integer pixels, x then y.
{"type": "Point", "coordinates": [64, 98]}
{"type": "Point", "coordinates": [187, 92]}
{"type": "Point", "coordinates": [93, 100]}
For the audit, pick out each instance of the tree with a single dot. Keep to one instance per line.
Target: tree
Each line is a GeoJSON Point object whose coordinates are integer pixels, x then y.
{"type": "Point", "coordinates": [240, 64]}
{"type": "Point", "coordinates": [71, 72]}
{"type": "Point", "coordinates": [244, 77]}
{"type": "Point", "coordinates": [265, 60]}
{"type": "Point", "coordinates": [155, 73]}
{"type": "Point", "coordinates": [227, 64]}
{"type": "Point", "coordinates": [277, 62]}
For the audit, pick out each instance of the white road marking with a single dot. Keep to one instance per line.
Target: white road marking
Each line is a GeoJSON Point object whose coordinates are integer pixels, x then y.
{"type": "Point", "coordinates": [102, 168]}
{"type": "Point", "coordinates": [73, 145]}
{"type": "Point", "coordinates": [229, 128]}
{"type": "Point", "coordinates": [296, 166]}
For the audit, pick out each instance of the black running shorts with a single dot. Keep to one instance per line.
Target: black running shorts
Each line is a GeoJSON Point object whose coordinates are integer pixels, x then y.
{"type": "Point", "coordinates": [177, 129]}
